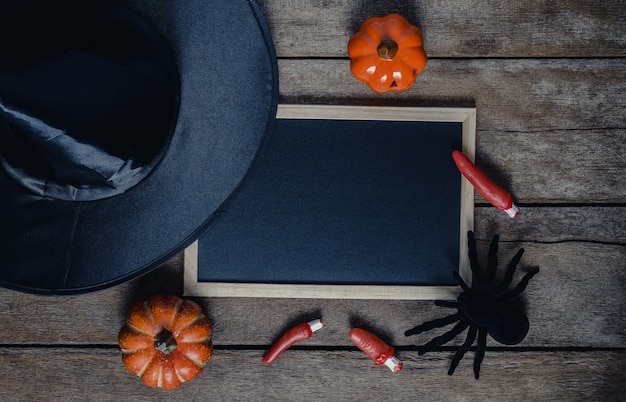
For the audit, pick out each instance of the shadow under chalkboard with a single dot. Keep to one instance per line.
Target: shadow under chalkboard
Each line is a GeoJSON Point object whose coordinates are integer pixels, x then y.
{"type": "Point", "coordinates": [344, 202]}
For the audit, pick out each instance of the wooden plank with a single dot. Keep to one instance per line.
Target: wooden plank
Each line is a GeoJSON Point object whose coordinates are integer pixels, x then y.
{"type": "Point", "coordinates": [547, 130]}
{"type": "Point", "coordinates": [320, 375]}
{"type": "Point", "coordinates": [562, 166]}
{"type": "Point", "coordinates": [90, 318]}
{"type": "Point", "coordinates": [580, 284]}
{"type": "Point", "coordinates": [456, 28]}
{"type": "Point", "coordinates": [594, 224]}
{"type": "Point", "coordinates": [512, 96]}
{"type": "Point", "coordinates": [576, 300]}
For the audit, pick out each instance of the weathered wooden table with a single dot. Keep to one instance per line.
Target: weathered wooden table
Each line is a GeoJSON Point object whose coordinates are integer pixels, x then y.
{"type": "Point", "coordinates": [548, 80]}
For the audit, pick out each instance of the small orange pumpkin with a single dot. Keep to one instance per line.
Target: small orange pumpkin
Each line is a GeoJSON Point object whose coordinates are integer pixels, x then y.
{"type": "Point", "coordinates": [387, 53]}
{"type": "Point", "coordinates": [166, 341]}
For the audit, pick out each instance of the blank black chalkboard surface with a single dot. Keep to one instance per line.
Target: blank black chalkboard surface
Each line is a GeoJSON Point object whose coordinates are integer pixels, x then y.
{"type": "Point", "coordinates": [345, 202]}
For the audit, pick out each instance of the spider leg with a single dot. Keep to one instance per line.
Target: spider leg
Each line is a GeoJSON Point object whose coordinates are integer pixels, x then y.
{"type": "Point", "coordinates": [438, 323]}
{"type": "Point", "coordinates": [508, 276]}
{"type": "Point", "coordinates": [507, 297]}
{"type": "Point", "coordinates": [473, 259]}
{"type": "Point", "coordinates": [480, 351]}
{"type": "Point", "coordinates": [460, 281]}
{"type": "Point", "coordinates": [471, 337]}
{"type": "Point", "coordinates": [492, 263]}
{"type": "Point", "coordinates": [446, 303]}
{"type": "Point", "coordinates": [445, 338]}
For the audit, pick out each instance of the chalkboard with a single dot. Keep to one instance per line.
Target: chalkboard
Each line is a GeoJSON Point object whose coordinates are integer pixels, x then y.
{"type": "Point", "coordinates": [356, 202]}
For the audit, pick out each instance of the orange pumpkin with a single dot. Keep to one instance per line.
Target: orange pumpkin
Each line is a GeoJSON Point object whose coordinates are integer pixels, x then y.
{"type": "Point", "coordinates": [166, 341]}
{"type": "Point", "coordinates": [387, 53]}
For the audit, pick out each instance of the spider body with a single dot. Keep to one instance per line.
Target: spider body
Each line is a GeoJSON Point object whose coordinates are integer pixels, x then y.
{"type": "Point", "coordinates": [485, 309]}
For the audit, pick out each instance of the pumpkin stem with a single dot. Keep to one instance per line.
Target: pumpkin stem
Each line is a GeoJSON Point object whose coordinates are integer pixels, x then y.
{"type": "Point", "coordinates": [387, 49]}
{"type": "Point", "coordinates": [165, 342]}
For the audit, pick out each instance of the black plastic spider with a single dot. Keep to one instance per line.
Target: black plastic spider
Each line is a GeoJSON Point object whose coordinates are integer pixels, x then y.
{"type": "Point", "coordinates": [484, 308]}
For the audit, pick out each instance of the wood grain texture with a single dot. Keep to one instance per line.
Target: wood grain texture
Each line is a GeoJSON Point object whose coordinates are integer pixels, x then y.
{"type": "Point", "coordinates": [575, 301]}
{"type": "Point", "coordinates": [511, 96]}
{"type": "Point", "coordinates": [93, 318]}
{"type": "Point", "coordinates": [547, 130]}
{"type": "Point", "coordinates": [456, 28]}
{"type": "Point", "coordinates": [548, 81]}
{"type": "Point", "coordinates": [593, 224]}
{"type": "Point", "coordinates": [319, 375]}
{"type": "Point", "coordinates": [562, 166]}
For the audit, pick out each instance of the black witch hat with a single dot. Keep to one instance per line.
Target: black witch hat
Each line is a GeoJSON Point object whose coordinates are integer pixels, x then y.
{"type": "Point", "coordinates": [123, 127]}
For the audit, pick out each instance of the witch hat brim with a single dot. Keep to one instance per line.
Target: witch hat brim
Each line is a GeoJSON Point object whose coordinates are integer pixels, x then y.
{"type": "Point", "coordinates": [220, 110]}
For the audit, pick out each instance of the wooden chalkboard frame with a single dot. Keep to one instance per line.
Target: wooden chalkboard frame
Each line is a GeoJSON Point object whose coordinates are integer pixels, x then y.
{"type": "Point", "coordinates": [465, 116]}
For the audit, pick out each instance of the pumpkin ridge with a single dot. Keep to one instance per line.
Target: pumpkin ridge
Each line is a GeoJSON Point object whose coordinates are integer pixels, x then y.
{"type": "Point", "coordinates": [168, 375]}
{"type": "Point", "coordinates": [180, 378]}
{"type": "Point", "coordinates": [362, 44]}
{"type": "Point", "coordinates": [189, 324]}
{"type": "Point", "coordinates": [200, 359]}
{"type": "Point", "coordinates": [179, 304]}
{"type": "Point", "coordinates": [198, 340]}
{"type": "Point", "coordinates": [199, 331]}
{"type": "Point", "coordinates": [137, 330]}
{"type": "Point", "coordinates": [144, 368]}
{"type": "Point", "coordinates": [375, 29]}
{"type": "Point", "coordinates": [160, 377]}
{"type": "Point", "coordinates": [195, 340]}
{"type": "Point", "coordinates": [162, 310]}
{"type": "Point", "coordinates": [131, 351]}
{"type": "Point", "coordinates": [131, 361]}
{"type": "Point", "coordinates": [148, 312]}
{"type": "Point", "coordinates": [197, 362]}
{"type": "Point", "coordinates": [410, 38]}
